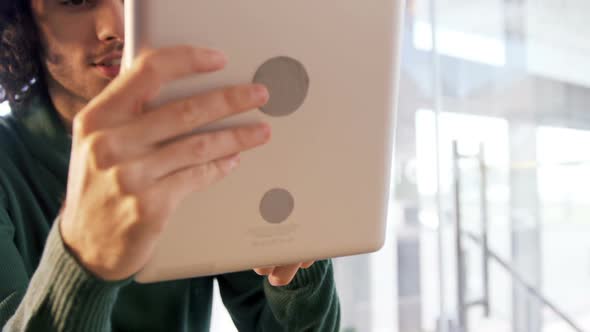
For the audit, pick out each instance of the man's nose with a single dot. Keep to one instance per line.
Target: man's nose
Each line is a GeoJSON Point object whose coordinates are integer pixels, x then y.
{"type": "Point", "coordinates": [110, 21]}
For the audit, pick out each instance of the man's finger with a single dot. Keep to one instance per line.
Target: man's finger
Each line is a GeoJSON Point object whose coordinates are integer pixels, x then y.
{"type": "Point", "coordinates": [264, 271]}
{"type": "Point", "coordinates": [180, 117]}
{"type": "Point", "coordinates": [193, 151]}
{"type": "Point", "coordinates": [176, 186]}
{"type": "Point", "coordinates": [307, 265]}
{"type": "Point", "coordinates": [283, 275]}
{"type": "Point", "coordinates": [125, 97]}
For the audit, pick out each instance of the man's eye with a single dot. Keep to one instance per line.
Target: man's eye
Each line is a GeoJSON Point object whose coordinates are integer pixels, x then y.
{"type": "Point", "coordinates": [75, 3]}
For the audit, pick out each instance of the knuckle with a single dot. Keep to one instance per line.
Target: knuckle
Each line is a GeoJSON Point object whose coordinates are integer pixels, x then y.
{"type": "Point", "coordinates": [137, 215]}
{"type": "Point", "coordinates": [120, 180]}
{"type": "Point", "coordinates": [198, 172]}
{"type": "Point", "coordinates": [141, 210]}
{"type": "Point", "coordinates": [81, 124]}
{"type": "Point", "coordinates": [152, 211]}
{"type": "Point", "coordinates": [198, 148]}
{"type": "Point", "coordinates": [202, 175]}
{"type": "Point", "coordinates": [145, 57]}
{"type": "Point", "coordinates": [146, 65]}
{"type": "Point", "coordinates": [189, 114]}
{"type": "Point", "coordinates": [233, 98]}
{"type": "Point", "coordinates": [239, 137]}
{"type": "Point", "coordinates": [101, 148]}
{"type": "Point", "coordinates": [219, 170]}
{"type": "Point", "coordinates": [98, 142]}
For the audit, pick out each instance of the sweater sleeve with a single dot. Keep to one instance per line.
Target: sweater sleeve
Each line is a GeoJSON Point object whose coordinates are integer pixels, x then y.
{"type": "Point", "coordinates": [308, 303]}
{"type": "Point", "coordinates": [60, 296]}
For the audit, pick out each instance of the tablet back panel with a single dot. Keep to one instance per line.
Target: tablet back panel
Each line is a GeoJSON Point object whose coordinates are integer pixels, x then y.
{"type": "Point", "coordinates": [320, 188]}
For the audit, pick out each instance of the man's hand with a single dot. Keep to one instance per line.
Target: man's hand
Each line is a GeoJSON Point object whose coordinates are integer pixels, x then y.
{"type": "Point", "coordinates": [126, 176]}
{"type": "Point", "coordinates": [282, 275]}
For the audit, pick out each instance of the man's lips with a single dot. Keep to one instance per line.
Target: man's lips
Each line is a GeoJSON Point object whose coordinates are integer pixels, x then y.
{"type": "Point", "coordinates": [110, 65]}
{"type": "Point", "coordinates": [111, 58]}
{"type": "Point", "coordinates": [110, 71]}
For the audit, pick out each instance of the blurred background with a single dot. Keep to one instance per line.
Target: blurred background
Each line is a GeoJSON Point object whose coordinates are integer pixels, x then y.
{"type": "Point", "coordinates": [489, 223]}
{"type": "Point", "coordinates": [489, 226]}
{"type": "Point", "coordinates": [490, 206]}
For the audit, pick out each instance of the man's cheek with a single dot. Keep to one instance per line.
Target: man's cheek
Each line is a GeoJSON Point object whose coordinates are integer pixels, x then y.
{"type": "Point", "coordinates": [53, 56]}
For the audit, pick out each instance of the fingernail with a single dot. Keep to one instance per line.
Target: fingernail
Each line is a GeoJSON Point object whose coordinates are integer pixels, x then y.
{"type": "Point", "coordinates": [218, 57]}
{"type": "Point", "coordinates": [274, 281]}
{"type": "Point", "coordinates": [234, 162]}
{"type": "Point", "coordinates": [263, 132]}
{"type": "Point", "coordinates": [260, 93]}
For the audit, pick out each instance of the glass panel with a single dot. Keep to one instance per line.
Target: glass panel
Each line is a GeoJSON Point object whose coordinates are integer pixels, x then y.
{"type": "Point", "coordinates": [564, 190]}
{"type": "Point", "coordinates": [509, 77]}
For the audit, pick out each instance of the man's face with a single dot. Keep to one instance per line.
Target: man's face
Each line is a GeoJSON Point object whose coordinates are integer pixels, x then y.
{"type": "Point", "coordinates": [83, 43]}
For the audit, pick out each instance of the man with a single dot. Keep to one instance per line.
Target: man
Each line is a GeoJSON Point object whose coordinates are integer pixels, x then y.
{"type": "Point", "coordinates": [87, 182]}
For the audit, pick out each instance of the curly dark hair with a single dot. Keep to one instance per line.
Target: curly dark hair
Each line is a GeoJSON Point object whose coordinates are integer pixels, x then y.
{"type": "Point", "coordinates": [20, 53]}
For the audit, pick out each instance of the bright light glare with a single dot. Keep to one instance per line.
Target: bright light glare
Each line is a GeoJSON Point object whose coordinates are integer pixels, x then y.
{"type": "Point", "coordinates": [459, 44]}
{"type": "Point", "coordinates": [4, 109]}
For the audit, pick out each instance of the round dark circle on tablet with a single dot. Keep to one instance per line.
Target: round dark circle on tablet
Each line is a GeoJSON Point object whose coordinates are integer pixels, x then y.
{"type": "Point", "coordinates": [276, 206]}
{"type": "Point", "coordinates": [287, 82]}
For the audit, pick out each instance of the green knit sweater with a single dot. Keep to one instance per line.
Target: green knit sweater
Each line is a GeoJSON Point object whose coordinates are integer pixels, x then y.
{"type": "Point", "coordinates": [43, 287]}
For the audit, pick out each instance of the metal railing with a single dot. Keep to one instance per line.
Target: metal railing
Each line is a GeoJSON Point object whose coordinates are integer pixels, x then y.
{"type": "Point", "coordinates": [487, 254]}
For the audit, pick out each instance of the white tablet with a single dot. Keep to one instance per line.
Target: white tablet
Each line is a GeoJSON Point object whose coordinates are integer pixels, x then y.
{"type": "Point", "coordinates": [320, 188]}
